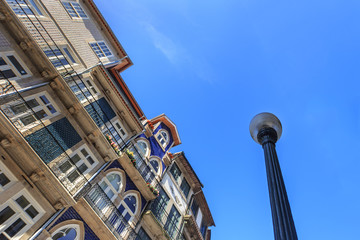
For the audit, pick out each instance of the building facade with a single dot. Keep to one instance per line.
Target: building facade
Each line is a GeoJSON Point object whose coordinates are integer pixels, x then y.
{"type": "Point", "coordinates": [79, 159]}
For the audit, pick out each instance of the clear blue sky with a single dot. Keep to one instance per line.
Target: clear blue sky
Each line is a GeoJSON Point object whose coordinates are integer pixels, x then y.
{"type": "Point", "coordinates": [210, 66]}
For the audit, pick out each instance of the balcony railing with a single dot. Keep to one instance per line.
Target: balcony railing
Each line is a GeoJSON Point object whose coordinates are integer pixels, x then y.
{"type": "Point", "coordinates": [168, 223]}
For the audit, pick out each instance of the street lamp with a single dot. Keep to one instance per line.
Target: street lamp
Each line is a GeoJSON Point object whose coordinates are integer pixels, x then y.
{"type": "Point", "coordinates": [265, 129]}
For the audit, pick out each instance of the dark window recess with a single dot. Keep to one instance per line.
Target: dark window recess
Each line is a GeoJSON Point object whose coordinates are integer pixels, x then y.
{"type": "Point", "coordinates": [7, 74]}
{"type": "Point", "coordinates": [75, 158]}
{"type": "Point", "coordinates": [2, 62]}
{"type": "Point", "coordinates": [100, 111]}
{"type": "Point", "coordinates": [17, 65]}
{"type": "Point", "coordinates": [175, 172]}
{"type": "Point", "coordinates": [65, 166]}
{"type": "Point", "coordinates": [203, 229]}
{"type": "Point", "coordinates": [3, 179]}
{"type": "Point", "coordinates": [142, 235]}
{"type": "Point", "coordinates": [31, 211]}
{"type": "Point", "coordinates": [15, 227]}
{"type": "Point", "coordinates": [172, 221]}
{"type": "Point", "coordinates": [185, 187]}
{"type": "Point", "coordinates": [159, 205]}
{"type": "Point", "coordinates": [194, 207]}
{"type": "Point", "coordinates": [5, 214]}
{"type": "Point", "coordinates": [22, 201]}
{"type": "Point", "coordinates": [45, 145]}
{"type": "Point", "coordinates": [83, 168]}
{"type": "Point", "coordinates": [73, 176]}
{"type": "Point", "coordinates": [69, 55]}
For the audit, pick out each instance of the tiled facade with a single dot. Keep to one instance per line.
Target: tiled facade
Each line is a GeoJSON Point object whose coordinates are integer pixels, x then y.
{"type": "Point", "coordinates": [79, 159]}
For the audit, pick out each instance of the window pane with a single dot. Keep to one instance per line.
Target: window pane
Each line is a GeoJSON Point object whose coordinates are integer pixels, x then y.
{"type": "Point", "coordinates": [5, 214]}
{"type": "Point", "coordinates": [69, 55]}
{"type": "Point", "coordinates": [3, 179]}
{"type": "Point", "coordinates": [19, 108]}
{"type": "Point", "coordinates": [115, 181]}
{"type": "Point", "coordinates": [131, 202]}
{"type": "Point", "coordinates": [41, 114]}
{"type": "Point", "coordinates": [65, 166]}
{"type": "Point", "coordinates": [83, 168]}
{"type": "Point", "coordinates": [32, 212]}
{"type": "Point", "coordinates": [32, 103]}
{"type": "Point", "coordinates": [84, 152]}
{"type": "Point", "coordinates": [51, 108]}
{"type": "Point", "coordinates": [90, 160]}
{"type": "Point", "coordinates": [75, 158]}
{"type": "Point", "coordinates": [7, 74]}
{"type": "Point", "coordinates": [175, 172]}
{"type": "Point", "coordinates": [44, 99]}
{"type": "Point", "coordinates": [73, 176]}
{"type": "Point", "coordinates": [185, 187]}
{"type": "Point", "coordinates": [28, 119]}
{"type": "Point", "coordinates": [17, 65]}
{"type": "Point", "coordinates": [15, 227]}
{"type": "Point", "coordinates": [22, 201]}
{"type": "Point", "coordinates": [155, 165]}
{"type": "Point", "coordinates": [2, 62]}
{"type": "Point", "coordinates": [35, 7]}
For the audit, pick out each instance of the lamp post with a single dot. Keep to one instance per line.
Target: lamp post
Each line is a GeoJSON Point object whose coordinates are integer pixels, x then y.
{"type": "Point", "coordinates": [265, 129]}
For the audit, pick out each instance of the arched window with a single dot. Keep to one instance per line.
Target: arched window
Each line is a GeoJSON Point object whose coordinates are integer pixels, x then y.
{"type": "Point", "coordinates": [112, 184]}
{"type": "Point", "coordinates": [155, 164]}
{"type": "Point", "coordinates": [67, 232]}
{"type": "Point", "coordinates": [128, 207]}
{"type": "Point", "coordinates": [143, 147]}
{"type": "Point", "coordinates": [163, 138]}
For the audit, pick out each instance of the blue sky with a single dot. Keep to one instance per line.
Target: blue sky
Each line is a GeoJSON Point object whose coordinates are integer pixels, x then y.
{"type": "Point", "coordinates": [210, 66]}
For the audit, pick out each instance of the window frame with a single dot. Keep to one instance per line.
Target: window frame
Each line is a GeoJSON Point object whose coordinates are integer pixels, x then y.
{"type": "Point", "coordinates": [12, 179]}
{"type": "Point", "coordinates": [34, 5]}
{"type": "Point", "coordinates": [97, 43]}
{"type": "Point", "coordinates": [159, 134]}
{"type": "Point", "coordinates": [74, 9]}
{"type": "Point", "coordinates": [105, 130]}
{"type": "Point", "coordinates": [42, 106]}
{"type": "Point", "coordinates": [20, 213]}
{"type": "Point", "coordinates": [127, 209]}
{"type": "Point", "coordinates": [75, 167]}
{"type": "Point", "coordinates": [63, 56]}
{"type": "Point", "coordinates": [68, 226]}
{"type": "Point", "coordinates": [153, 158]}
{"type": "Point", "coordinates": [110, 186]}
{"type": "Point", "coordinates": [148, 150]}
{"type": "Point", "coordinates": [81, 93]}
{"type": "Point", "coordinates": [10, 66]}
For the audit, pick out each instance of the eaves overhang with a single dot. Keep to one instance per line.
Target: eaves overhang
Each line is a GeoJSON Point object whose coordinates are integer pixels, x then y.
{"type": "Point", "coordinates": [174, 132]}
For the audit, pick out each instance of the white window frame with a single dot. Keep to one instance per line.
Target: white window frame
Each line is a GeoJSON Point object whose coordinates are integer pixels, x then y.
{"type": "Point", "coordinates": [127, 209]}
{"type": "Point", "coordinates": [110, 187]}
{"type": "Point", "coordinates": [4, 170]}
{"type": "Point", "coordinates": [87, 90]}
{"type": "Point", "coordinates": [20, 213]}
{"type": "Point", "coordinates": [114, 124]}
{"type": "Point", "coordinates": [97, 43]}
{"type": "Point", "coordinates": [72, 3]}
{"type": "Point", "coordinates": [166, 141]}
{"type": "Point", "coordinates": [16, 117]}
{"type": "Point", "coordinates": [83, 160]}
{"type": "Point", "coordinates": [158, 172]}
{"type": "Point", "coordinates": [11, 66]}
{"type": "Point", "coordinates": [34, 10]}
{"type": "Point", "coordinates": [148, 150]}
{"type": "Point", "coordinates": [74, 226]}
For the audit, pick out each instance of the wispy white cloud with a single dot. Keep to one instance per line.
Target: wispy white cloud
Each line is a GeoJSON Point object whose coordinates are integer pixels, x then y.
{"type": "Point", "coordinates": [172, 51]}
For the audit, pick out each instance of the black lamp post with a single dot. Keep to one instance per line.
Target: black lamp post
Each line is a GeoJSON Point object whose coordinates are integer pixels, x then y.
{"type": "Point", "coordinates": [265, 129]}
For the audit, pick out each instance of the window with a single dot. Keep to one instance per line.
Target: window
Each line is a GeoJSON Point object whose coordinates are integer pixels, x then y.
{"type": "Point", "coordinates": [84, 90]}
{"type": "Point", "coordinates": [112, 185]}
{"type": "Point", "coordinates": [194, 208]}
{"type": "Point", "coordinates": [74, 9]}
{"type": "Point", "coordinates": [142, 235]}
{"type": "Point", "coordinates": [185, 187]}
{"type": "Point", "coordinates": [84, 161]}
{"type": "Point", "coordinates": [17, 215]}
{"type": "Point", "coordinates": [128, 207]}
{"type": "Point", "coordinates": [58, 58]}
{"type": "Point", "coordinates": [25, 7]}
{"type": "Point", "coordinates": [175, 172]}
{"type": "Point", "coordinates": [116, 131]}
{"type": "Point", "coordinates": [203, 229]}
{"type": "Point", "coordinates": [26, 113]}
{"type": "Point", "coordinates": [143, 148]}
{"type": "Point", "coordinates": [163, 138]}
{"type": "Point", "coordinates": [11, 67]}
{"type": "Point", "coordinates": [100, 49]}
{"type": "Point", "coordinates": [155, 165]}
{"type": "Point", "coordinates": [172, 221]}
{"type": "Point", "coordinates": [160, 204]}
{"type": "Point", "coordinates": [6, 178]}
{"type": "Point", "coordinates": [67, 232]}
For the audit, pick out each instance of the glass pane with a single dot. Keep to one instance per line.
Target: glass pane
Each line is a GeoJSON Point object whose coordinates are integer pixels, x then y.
{"type": "Point", "coordinates": [131, 202]}
{"type": "Point", "coordinates": [5, 214]}
{"type": "Point", "coordinates": [155, 165]}
{"type": "Point", "coordinates": [73, 176]}
{"type": "Point", "coordinates": [28, 119]}
{"type": "Point", "coordinates": [115, 181]}
{"type": "Point", "coordinates": [76, 158]}
{"type": "Point", "coordinates": [110, 193]}
{"type": "Point", "coordinates": [69, 55]}
{"type": "Point", "coordinates": [65, 166]}
{"type": "Point", "coordinates": [41, 114]}
{"type": "Point", "coordinates": [51, 108]}
{"type": "Point", "coordinates": [44, 99]}
{"type": "Point", "coordinates": [17, 65]}
{"type": "Point", "coordinates": [84, 152]}
{"type": "Point", "coordinates": [19, 108]}
{"type": "Point", "coordinates": [15, 227]}
{"type": "Point", "coordinates": [3, 179]}
{"type": "Point", "coordinates": [185, 187]}
{"type": "Point", "coordinates": [90, 160]}
{"type": "Point", "coordinates": [32, 2]}
{"type": "Point", "coordinates": [7, 74]}
{"type": "Point", "coordinates": [2, 62]}
{"type": "Point", "coordinates": [32, 212]}
{"type": "Point", "coordinates": [32, 103]}
{"type": "Point", "coordinates": [83, 168]}
{"type": "Point", "coordinates": [22, 201]}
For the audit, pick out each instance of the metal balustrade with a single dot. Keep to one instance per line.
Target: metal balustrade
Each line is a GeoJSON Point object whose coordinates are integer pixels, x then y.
{"type": "Point", "coordinates": [169, 224]}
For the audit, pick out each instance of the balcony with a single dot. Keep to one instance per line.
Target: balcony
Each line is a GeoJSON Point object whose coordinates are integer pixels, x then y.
{"type": "Point", "coordinates": [163, 226]}
{"type": "Point", "coordinates": [192, 227]}
{"type": "Point", "coordinates": [109, 214]}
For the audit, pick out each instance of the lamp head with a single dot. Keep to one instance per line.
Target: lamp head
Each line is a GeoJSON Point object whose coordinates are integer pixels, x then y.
{"type": "Point", "coordinates": [262, 121]}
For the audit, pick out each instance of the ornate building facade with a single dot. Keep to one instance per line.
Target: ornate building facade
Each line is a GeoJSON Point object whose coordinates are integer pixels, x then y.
{"type": "Point", "coordinates": [79, 159]}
